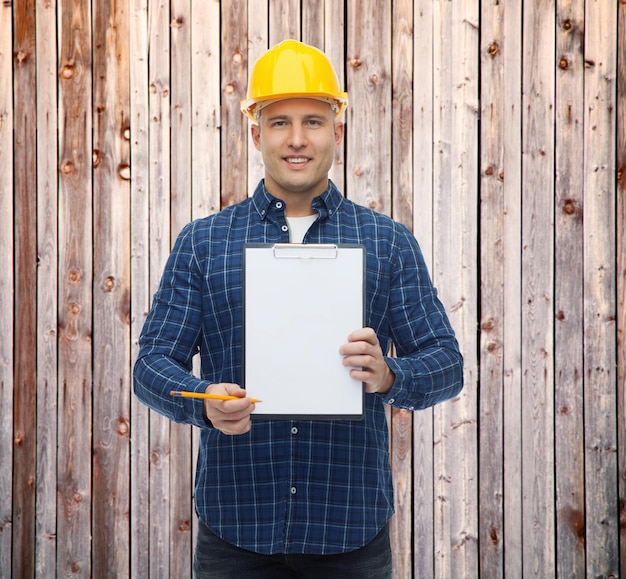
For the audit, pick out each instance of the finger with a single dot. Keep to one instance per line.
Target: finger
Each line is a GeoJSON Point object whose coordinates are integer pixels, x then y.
{"type": "Point", "coordinates": [365, 335]}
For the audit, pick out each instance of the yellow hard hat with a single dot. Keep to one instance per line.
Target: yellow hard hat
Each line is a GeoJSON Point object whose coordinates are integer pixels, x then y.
{"type": "Point", "coordinates": [292, 69]}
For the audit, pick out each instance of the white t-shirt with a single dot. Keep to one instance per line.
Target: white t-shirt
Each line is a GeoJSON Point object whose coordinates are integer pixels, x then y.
{"type": "Point", "coordinates": [298, 226]}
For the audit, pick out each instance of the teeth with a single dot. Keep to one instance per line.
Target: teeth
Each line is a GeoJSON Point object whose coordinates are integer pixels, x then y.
{"type": "Point", "coordinates": [296, 160]}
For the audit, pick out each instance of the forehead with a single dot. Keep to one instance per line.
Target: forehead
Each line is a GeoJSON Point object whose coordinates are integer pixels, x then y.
{"type": "Point", "coordinates": [297, 107]}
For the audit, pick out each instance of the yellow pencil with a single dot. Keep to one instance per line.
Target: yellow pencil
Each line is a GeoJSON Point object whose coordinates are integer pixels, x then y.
{"type": "Point", "coordinates": [187, 394]}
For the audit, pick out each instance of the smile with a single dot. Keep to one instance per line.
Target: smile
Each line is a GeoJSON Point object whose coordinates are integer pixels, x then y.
{"type": "Point", "coordinates": [296, 160]}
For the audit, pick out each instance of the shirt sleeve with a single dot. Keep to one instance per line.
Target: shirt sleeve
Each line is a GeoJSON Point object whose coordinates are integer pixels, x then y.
{"type": "Point", "coordinates": [171, 337]}
{"type": "Point", "coordinates": [428, 365]}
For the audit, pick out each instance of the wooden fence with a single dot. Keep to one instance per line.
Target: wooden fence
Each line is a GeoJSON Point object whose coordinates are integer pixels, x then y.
{"type": "Point", "coordinates": [495, 130]}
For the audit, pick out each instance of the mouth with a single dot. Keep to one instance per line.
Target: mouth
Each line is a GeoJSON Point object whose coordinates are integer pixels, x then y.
{"type": "Point", "coordinates": [297, 160]}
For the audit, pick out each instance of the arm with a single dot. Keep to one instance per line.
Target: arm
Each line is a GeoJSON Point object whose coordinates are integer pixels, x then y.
{"type": "Point", "coordinates": [428, 368]}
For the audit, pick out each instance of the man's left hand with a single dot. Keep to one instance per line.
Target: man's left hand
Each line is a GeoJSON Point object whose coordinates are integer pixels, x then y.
{"type": "Point", "coordinates": [362, 352]}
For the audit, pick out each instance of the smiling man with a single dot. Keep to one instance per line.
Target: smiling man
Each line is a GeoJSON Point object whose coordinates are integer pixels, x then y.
{"type": "Point", "coordinates": [283, 498]}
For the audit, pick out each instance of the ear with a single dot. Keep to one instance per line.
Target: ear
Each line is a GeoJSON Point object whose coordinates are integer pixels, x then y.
{"type": "Point", "coordinates": [255, 133]}
{"type": "Point", "coordinates": [339, 130]}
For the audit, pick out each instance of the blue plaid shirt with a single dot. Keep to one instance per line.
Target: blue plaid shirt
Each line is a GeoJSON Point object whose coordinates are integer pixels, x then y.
{"type": "Point", "coordinates": [317, 487]}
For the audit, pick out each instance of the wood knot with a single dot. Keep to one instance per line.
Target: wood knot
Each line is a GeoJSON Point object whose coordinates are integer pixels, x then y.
{"type": "Point", "coordinates": [488, 325]}
{"type": "Point", "coordinates": [96, 158]}
{"type": "Point", "coordinates": [68, 71]}
{"type": "Point", "coordinates": [229, 88]}
{"type": "Point", "coordinates": [124, 172]}
{"type": "Point", "coordinates": [355, 63]}
{"type": "Point", "coordinates": [177, 22]}
{"type": "Point", "coordinates": [493, 536]}
{"type": "Point", "coordinates": [569, 207]}
{"type": "Point", "coordinates": [22, 55]}
{"type": "Point", "coordinates": [563, 63]}
{"type": "Point", "coordinates": [122, 426]}
{"type": "Point", "coordinates": [493, 49]}
{"type": "Point", "coordinates": [489, 171]}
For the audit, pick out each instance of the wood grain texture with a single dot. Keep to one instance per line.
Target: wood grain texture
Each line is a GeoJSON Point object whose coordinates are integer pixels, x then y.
{"type": "Point", "coordinates": [111, 290]}
{"type": "Point", "coordinates": [74, 482]}
{"type": "Point", "coordinates": [139, 547]}
{"type": "Point", "coordinates": [47, 290]}
{"type": "Point", "coordinates": [621, 278]}
{"type": "Point", "coordinates": [368, 135]}
{"type": "Point", "coordinates": [118, 126]}
{"type": "Point", "coordinates": [568, 279]}
{"type": "Point", "coordinates": [600, 418]}
{"type": "Point", "coordinates": [159, 236]}
{"type": "Point", "coordinates": [492, 216]}
{"type": "Point", "coordinates": [537, 409]}
{"type": "Point", "coordinates": [25, 284]}
{"type": "Point", "coordinates": [7, 282]}
{"type": "Point", "coordinates": [512, 71]}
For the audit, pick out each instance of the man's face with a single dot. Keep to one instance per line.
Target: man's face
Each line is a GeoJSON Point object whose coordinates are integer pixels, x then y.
{"type": "Point", "coordinates": [297, 138]}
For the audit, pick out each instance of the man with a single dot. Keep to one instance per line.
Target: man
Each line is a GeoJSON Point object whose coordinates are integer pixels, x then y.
{"type": "Point", "coordinates": [281, 498]}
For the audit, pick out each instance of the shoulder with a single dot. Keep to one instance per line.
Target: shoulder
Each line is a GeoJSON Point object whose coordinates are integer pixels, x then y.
{"type": "Point", "coordinates": [385, 226]}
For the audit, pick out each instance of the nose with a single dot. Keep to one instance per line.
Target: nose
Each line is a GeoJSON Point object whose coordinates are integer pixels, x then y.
{"type": "Point", "coordinates": [297, 136]}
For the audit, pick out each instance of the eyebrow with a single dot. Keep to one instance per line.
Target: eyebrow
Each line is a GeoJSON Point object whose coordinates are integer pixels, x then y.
{"type": "Point", "coordinates": [309, 116]}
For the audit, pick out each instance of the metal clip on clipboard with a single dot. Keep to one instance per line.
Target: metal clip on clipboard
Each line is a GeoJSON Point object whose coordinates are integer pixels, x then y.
{"type": "Point", "coordinates": [305, 251]}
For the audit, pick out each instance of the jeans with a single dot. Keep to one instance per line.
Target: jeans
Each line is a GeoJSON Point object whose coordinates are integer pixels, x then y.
{"type": "Point", "coordinates": [217, 559]}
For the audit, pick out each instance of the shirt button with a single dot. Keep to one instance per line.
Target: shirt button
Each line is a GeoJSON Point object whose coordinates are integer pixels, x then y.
{"type": "Point", "coordinates": [294, 430]}
{"type": "Point", "coordinates": [391, 400]}
{"type": "Point", "coordinates": [285, 228]}
{"type": "Point", "coordinates": [279, 205]}
{"type": "Point", "coordinates": [293, 490]}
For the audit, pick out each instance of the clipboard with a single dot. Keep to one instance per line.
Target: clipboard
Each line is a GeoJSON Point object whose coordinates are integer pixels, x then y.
{"type": "Point", "coordinates": [300, 303]}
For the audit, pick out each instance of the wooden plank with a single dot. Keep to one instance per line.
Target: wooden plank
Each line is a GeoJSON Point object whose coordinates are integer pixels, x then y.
{"type": "Point", "coordinates": [621, 275]}
{"type": "Point", "coordinates": [601, 521]}
{"type": "Point", "coordinates": [313, 22]}
{"type": "Point", "coordinates": [422, 188]}
{"type": "Point", "coordinates": [75, 297]}
{"type": "Point", "coordinates": [258, 43]}
{"type": "Point", "coordinates": [25, 286]}
{"type": "Point", "coordinates": [512, 314]}
{"type": "Point", "coordinates": [205, 138]}
{"type": "Point", "coordinates": [492, 338]}
{"type": "Point", "coordinates": [205, 102]}
{"type": "Point", "coordinates": [160, 494]}
{"type": "Point", "coordinates": [568, 279]}
{"type": "Point", "coordinates": [335, 49]}
{"type": "Point", "coordinates": [368, 142]}
{"type": "Point", "coordinates": [401, 527]}
{"type": "Point", "coordinates": [234, 81]}
{"type": "Point", "coordinates": [284, 20]}
{"type": "Point", "coordinates": [537, 291]}
{"type": "Point", "coordinates": [181, 484]}
{"type": "Point", "coordinates": [6, 288]}
{"type": "Point", "coordinates": [455, 231]}
{"type": "Point", "coordinates": [140, 277]}
{"type": "Point", "coordinates": [111, 291]}
{"type": "Point", "coordinates": [47, 295]}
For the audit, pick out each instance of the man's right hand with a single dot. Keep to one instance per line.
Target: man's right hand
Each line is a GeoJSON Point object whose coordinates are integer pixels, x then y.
{"type": "Point", "coordinates": [229, 416]}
